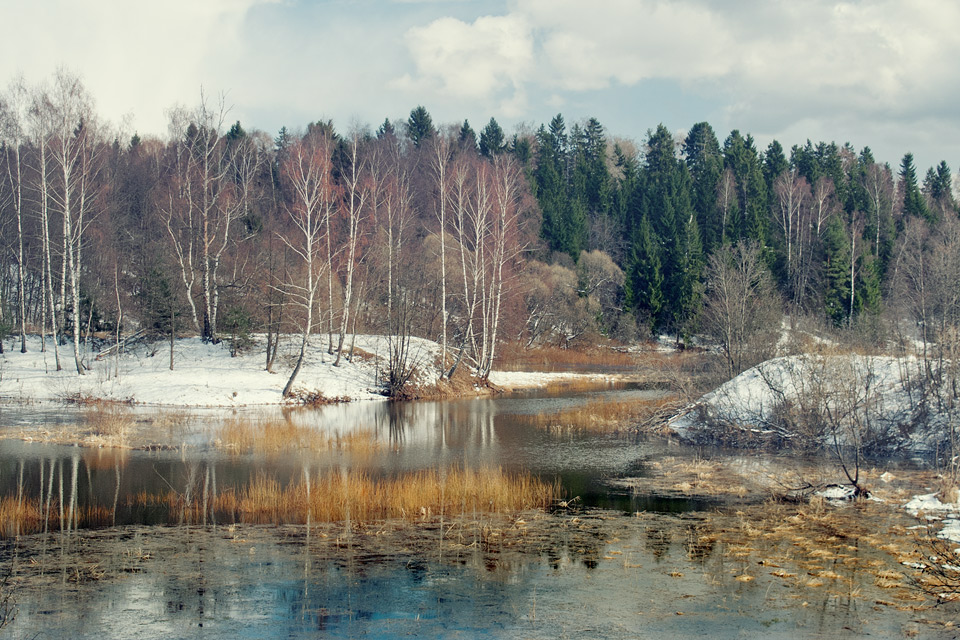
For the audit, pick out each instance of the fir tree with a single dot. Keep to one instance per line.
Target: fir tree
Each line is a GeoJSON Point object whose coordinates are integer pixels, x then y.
{"type": "Point", "coordinates": [836, 252]}
{"type": "Point", "coordinates": [419, 126]}
{"type": "Point", "coordinates": [492, 139]}
{"type": "Point", "coordinates": [644, 281]}
{"type": "Point", "coordinates": [910, 197]}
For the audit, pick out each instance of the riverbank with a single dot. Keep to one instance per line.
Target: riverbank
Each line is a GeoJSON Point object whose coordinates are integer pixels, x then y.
{"type": "Point", "coordinates": [207, 375]}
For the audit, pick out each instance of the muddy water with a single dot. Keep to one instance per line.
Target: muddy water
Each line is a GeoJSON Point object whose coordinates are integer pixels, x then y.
{"type": "Point", "coordinates": [629, 565]}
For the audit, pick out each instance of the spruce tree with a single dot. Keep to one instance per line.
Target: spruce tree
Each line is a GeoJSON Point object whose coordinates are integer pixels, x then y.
{"type": "Point", "coordinates": [467, 138]}
{"type": "Point", "coordinates": [701, 151]}
{"type": "Point", "coordinates": [836, 255]}
{"type": "Point", "coordinates": [911, 198]}
{"type": "Point", "coordinates": [492, 140]}
{"type": "Point", "coordinates": [644, 277]}
{"type": "Point", "coordinates": [419, 126]}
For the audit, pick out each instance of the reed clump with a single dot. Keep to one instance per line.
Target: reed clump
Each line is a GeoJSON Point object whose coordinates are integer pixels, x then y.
{"type": "Point", "coordinates": [608, 416]}
{"type": "Point", "coordinates": [359, 497]}
{"type": "Point", "coordinates": [272, 436]}
{"type": "Point", "coordinates": [108, 425]}
{"type": "Point", "coordinates": [24, 516]}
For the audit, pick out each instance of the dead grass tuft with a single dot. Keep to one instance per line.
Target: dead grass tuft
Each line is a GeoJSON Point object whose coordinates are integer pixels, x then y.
{"type": "Point", "coordinates": [314, 398]}
{"type": "Point", "coordinates": [109, 424]}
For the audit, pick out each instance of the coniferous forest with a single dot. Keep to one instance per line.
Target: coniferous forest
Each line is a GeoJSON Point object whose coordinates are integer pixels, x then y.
{"type": "Point", "coordinates": [561, 235]}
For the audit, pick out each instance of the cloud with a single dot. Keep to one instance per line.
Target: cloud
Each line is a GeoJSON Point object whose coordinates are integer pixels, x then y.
{"type": "Point", "coordinates": [490, 57]}
{"type": "Point", "coordinates": [877, 54]}
{"type": "Point", "coordinates": [137, 58]}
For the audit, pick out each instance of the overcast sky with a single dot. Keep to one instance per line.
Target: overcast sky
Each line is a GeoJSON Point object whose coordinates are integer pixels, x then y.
{"type": "Point", "coordinates": [883, 73]}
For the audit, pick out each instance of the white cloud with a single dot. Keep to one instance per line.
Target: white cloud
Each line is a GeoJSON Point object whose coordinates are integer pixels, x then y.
{"type": "Point", "coordinates": [478, 60]}
{"type": "Point", "coordinates": [137, 58]}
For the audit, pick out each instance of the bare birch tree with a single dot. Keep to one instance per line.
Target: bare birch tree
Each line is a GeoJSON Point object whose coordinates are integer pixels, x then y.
{"type": "Point", "coordinates": [13, 122]}
{"type": "Point", "coordinates": [354, 204]}
{"type": "Point", "coordinates": [203, 204]}
{"type": "Point", "coordinates": [307, 170]}
{"type": "Point", "coordinates": [76, 155]}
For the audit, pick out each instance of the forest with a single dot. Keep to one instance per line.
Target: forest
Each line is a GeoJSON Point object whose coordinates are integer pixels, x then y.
{"type": "Point", "coordinates": [564, 235]}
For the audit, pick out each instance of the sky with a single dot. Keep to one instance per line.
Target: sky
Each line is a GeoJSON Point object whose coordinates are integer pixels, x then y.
{"type": "Point", "coordinates": [882, 73]}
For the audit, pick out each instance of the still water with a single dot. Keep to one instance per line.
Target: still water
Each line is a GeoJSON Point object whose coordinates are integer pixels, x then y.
{"type": "Point", "coordinates": [619, 566]}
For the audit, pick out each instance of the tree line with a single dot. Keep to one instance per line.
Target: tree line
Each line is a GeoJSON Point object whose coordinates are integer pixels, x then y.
{"type": "Point", "coordinates": [412, 229]}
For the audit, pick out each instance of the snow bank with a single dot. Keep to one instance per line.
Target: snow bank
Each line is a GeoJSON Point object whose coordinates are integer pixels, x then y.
{"type": "Point", "coordinates": [877, 386]}
{"type": "Point", "coordinates": [204, 374]}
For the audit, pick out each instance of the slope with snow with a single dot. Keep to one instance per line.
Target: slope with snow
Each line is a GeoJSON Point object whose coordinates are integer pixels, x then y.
{"type": "Point", "coordinates": [205, 375]}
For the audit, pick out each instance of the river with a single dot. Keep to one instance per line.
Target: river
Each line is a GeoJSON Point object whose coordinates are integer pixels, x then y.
{"type": "Point", "coordinates": [608, 562]}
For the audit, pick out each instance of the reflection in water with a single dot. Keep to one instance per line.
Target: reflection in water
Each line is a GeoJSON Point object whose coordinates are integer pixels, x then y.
{"type": "Point", "coordinates": [66, 487]}
{"type": "Point", "coordinates": [577, 572]}
{"type": "Point", "coordinates": [589, 575]}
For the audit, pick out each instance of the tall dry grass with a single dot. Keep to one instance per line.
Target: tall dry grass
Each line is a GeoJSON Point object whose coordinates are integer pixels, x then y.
{"type": "Point", "coordinates": [108, 425]}
{"type": "Point", "coordinates": [32, 515]}
{"type": "Point", "coordinates": [339, 496]}
{"type": "Point", "coordinates": [514, 357]}
{"type": "Point", "coordinates": [608, 415]}
{"type": "Point", "coordinates": [243, 435]}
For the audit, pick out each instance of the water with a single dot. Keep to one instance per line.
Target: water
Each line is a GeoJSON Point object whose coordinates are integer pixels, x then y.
{"type": "Point", "coordinates": [618, 566]}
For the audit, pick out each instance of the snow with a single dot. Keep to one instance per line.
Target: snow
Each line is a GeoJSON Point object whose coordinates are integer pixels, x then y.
{"type": "Point", "coordinates": [751, 400]}
{"type": "Point", "coordinates": [205, 375]}
{"type": "Point", "coordinates": [836, 492]}
{"type": "Point", "coordinates": [930, 507]}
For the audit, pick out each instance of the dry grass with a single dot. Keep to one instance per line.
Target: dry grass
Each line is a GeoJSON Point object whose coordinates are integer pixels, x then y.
{"type": "Point", "coordinates": [108, 424]}
{"type": "Point", "coordinates": [514, 357]}
{"type": "Point", "coordinates": [607, 416]}
{"type": "Point", "coordinates": [358, 497]}
{"type": "Point", "coordinates": [314, 398]}
{"type": "Point", "coordinates": [243, 435]}
{"type": "Point", "coordinates": [31, 515]}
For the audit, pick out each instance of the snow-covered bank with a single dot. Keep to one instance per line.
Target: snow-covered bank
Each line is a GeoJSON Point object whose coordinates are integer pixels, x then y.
{"type": "Point", "coordinates": [205, 374]}
{"type": "Point", "coordinates": [832, 393]}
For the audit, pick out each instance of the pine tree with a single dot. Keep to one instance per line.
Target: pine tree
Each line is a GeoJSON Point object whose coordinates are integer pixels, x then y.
{"type": "Point", "coordinates": [836, 251]}
{"type": "Point", "coordinates": [910, 197]}
{"type": "Point", "coordinates": [419, 126]}
{"type": "Point", "coordinates": [492, 139]}
{"type": "Point", "coordinates": [644, 278]}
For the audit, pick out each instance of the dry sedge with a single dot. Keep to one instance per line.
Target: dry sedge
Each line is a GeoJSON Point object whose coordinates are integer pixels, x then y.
{"type": "Point", "coordinates": [604, 415]}
{"type": "Point", "coordinates": [358, 497]}
{"type": "Point", "coordinates": [22, 517]}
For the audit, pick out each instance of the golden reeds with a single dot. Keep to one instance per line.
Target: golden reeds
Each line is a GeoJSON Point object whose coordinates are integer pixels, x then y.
{"type": "Point", "coordinates": [356, 496]}
{"type": "Point", "coordinates": [603, 415]}
{"type": "Point", "coordinates": [31, 515]}
{"type": "Point", "coordinates": [108, 424]}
